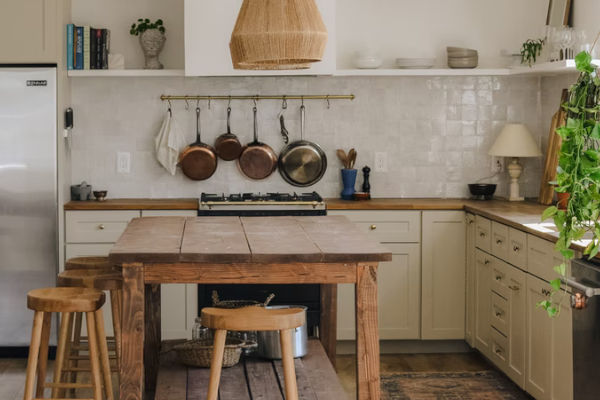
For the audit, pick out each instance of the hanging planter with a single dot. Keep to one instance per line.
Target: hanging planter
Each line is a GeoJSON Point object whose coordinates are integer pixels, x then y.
{"type": "Point", "coordinates": [278, 34]}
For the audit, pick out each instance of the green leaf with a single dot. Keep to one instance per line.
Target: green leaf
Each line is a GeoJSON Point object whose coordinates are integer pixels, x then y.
{"type": "Point", "coordinates": [552, 311]}
{"type": "Point", "coordinates": [555, 283]}
{"type": "Point", "coordinates": [594, 251]}
{"type": "Point", "coordinates": [544, 304]}
{"type": "Point", "coordinates": [561, 269]}
{"type": "Point", "coordinates": [568, 254]}
{"type": "Point", "coordinates": [583, 61]}
{"type": "Point", "coordinates": [549, 212]}
{"type": "Point", "coordinates": [592, 154]}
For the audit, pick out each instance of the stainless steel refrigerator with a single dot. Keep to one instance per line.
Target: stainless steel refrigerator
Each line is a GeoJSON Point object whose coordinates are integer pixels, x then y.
{"type": "Point", "coordinates": [28, 194]}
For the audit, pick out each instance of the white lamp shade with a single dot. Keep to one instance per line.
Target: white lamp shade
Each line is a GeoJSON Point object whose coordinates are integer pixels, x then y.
{"type": "Point", "coordinates": [515, 140]}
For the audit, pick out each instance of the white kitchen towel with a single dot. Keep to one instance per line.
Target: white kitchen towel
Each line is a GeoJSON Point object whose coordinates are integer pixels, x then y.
{"type": "Point", "coordinates": [168, 143]}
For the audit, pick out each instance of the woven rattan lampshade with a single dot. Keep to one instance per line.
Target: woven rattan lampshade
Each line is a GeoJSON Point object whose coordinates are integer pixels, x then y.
{"type": "Point", "coordinates": [278, 34]}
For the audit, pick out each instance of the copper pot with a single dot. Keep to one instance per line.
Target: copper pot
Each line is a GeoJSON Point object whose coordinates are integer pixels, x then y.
{"type": "Point", "coordinates": [257, 160]}
{"type": "Point", "coordinates": [198, 161]}
{"type": "Point", "coordinates": [227, 145]}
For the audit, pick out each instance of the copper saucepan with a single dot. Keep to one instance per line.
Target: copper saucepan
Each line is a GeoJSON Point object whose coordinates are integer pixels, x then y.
{"type": "Point", "coordinates": [198, 161]}
{"type": "Point", "coordinates": [258, 160]}
{"type": "Point", "coordinates": [227, 145]}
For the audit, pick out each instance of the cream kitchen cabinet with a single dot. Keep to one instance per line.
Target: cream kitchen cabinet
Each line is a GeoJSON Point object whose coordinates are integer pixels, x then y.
{"type": "Point", "coordinates": [208, 27]}
{"type": "Point", "coordinates": [31, 31]}
{"type": "Point", "coordinates": [93, 233]}
{"type": "Point", "coordinates": [549, 346]}
{"type": "Point", "coordinates": [443, 275]}
{"type": "Point", "coordinates": [483, 301]}
{"type": "Point", "coordinates": [508, 319]}
{"type": "Point", "coordinates": [470, 280]}
{"type": "Point", "coordinates": [399, 281]}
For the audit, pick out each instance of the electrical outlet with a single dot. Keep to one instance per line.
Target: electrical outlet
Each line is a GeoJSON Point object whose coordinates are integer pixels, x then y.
{"type": "Point", "coordinates": [497, 164]}
{"type": "Point", "coordinates": [123, 162]}
{"type": "Point", "coordinates": [381, 162]}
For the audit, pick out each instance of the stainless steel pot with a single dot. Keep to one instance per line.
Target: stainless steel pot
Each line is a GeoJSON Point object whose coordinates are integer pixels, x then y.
{"type": "Point", "coordinates": [269, 345]}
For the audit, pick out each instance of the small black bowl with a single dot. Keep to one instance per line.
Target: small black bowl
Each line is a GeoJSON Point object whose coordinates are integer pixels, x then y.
{"type": "Point", "coordinates": [482, 190]}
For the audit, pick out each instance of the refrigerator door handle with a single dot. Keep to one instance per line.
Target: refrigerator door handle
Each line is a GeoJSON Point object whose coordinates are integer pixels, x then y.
{"type": "Point", "coordinates": [588, 291]}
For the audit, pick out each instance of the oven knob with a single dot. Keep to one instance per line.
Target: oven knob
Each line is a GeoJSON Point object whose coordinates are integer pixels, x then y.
{"type": "Point", "coordinates": [101, 227]}
{"type": "Point", "coordinates": [373, 227]}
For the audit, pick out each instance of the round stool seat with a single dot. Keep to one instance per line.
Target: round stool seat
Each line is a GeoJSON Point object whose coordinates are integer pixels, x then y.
{"type": "Point", "coordinates": [91, 278]}
{"type": "Point", "coordinates": [253, 318]}
{"type": "Point", "coordinates": [88, 263]}
{"type": "Point", "coordinates": [65, 299]}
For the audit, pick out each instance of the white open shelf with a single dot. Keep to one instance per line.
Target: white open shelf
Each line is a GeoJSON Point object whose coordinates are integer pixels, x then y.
{"type": "Point", "coordinates": [125, 72]}
{"type": "Point", "coordinates": [548, 68]}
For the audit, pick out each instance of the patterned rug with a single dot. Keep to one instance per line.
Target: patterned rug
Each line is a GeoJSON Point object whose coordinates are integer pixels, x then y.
{"type": "Point", "coordinates": [481, 385]}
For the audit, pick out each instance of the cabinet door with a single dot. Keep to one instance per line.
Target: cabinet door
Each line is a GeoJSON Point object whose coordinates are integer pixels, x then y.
{"type": "Point", "coordinates": [443, 275]}
{"type": "Point", "coordinates": [29, 31]}
{"type": "Point", "coordinates": [549, 345]}
{"type": "Point", "coordinates": [483, 278]}
{"type": "Point", "coordinates": [208, 27]}
{"type": "Point", "coordinates": [399, 296]}
{"type": "Point", "coordinates": [179, 302]}
{"type": "Point", "coordinates": [499, 241]}
{"type": "Point", "coordinates": [470, 294]}
{"type": "Point", "coordinates": [483, 235]}
{"type": "Point", "coordinates": [517, 327]}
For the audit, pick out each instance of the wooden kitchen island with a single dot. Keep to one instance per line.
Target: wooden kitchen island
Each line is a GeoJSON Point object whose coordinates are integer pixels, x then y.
{"type": "Point", "coordinates": [324, 250]}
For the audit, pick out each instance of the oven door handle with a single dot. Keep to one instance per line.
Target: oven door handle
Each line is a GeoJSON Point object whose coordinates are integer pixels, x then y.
{"type": "Point", "coordinates": [588, 291]}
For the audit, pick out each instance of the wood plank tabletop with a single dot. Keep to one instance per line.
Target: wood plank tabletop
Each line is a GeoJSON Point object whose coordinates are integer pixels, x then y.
{"type": "Point", "coordinates": [273, 240]}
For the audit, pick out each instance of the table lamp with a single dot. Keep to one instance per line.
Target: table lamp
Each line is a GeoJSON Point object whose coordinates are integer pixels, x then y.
{"type": "Point", "coordinates": [515, 141]}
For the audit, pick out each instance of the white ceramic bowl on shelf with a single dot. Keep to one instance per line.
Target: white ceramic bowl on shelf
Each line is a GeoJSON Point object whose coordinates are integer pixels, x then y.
{"type": "Point", "coordinates": [414, 63]}
{"type": "Point", "coordinates": [371, 62]}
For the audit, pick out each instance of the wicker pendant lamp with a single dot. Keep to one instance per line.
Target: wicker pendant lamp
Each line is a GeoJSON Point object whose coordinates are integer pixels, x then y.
{"type": "Point", "coordinates": [278, 34]}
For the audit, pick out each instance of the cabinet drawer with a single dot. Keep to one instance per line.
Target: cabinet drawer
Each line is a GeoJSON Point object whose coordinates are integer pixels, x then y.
{"type": "Point", "coordinates": [483, 233]}
{"type": "Point", "coordinates": [499, 317]}
{"type": "Point", "coordinates": [96, 226]}
{"type": "Point", "coordinates": [499, 353]}
{"type": "Point", "coordinates": [499, 241]}
{"type": "Point", "coordinates": [542, 258]}
{"type": "Point", "coordinates": [387, 226]}
{"type": "Point", "coordinates": [87, 250]}
{"type": "Point", "coordinates": [517, 248]}
{"type": "Point", "coordinates": [169, 213]}
{"type": "Point", "coordinates": [500, 278]}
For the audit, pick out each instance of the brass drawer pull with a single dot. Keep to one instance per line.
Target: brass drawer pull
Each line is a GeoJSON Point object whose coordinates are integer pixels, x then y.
{"type": "Point", "coordinates": [373, 227]}
{"type": "Point", "coordinates": [101, 227]}
{"type": "Point", "coordinates": [498, 351]}
{"type": "Point", "coordinates": [546, 292]}
{"type": "Point", "coordinates": [498, 241]}
{"type": "Point", "coordinates": [516, 248]}
{"type": "Point", "coordinates": [499, 314]}
{"type": "Point", "coordinates": [482, 234]}
{"type": "Point", "coordinates": [515, 288]}
{"type": "Point", "coordinates": [498, 277]}
{"type": "Point", "coordinates": [486, 261]}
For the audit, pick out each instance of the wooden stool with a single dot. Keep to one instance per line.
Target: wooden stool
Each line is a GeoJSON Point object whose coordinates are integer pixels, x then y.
{"type": "Point", "coordinates": [284, 320]}
{"type": "Point", "coordinates": [100, 279]}
{"type": "Point", "coordinates": [66, 301]}
{"type": "Point", "coordinates": [88, 263]}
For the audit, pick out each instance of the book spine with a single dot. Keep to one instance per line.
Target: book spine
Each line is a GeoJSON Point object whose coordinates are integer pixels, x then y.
{"type": "Point", "coordinates": [98, 48]}
{"type": "Point", "coordinates": [92, 48]}
{"type": "Point", "coordinates": [86, 47]}
{"type": "Point", "coordinates": [70, 46]}
{"type": "Point", "coordinates": [104, 49]}
{"type": "Point", "coordinates": [79, 49]}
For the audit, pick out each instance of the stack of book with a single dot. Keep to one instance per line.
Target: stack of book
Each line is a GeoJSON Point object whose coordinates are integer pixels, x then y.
{"type": "Point", "coordinates": [87, 48]}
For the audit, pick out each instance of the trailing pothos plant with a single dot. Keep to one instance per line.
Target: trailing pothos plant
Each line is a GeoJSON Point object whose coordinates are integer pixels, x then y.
{"type": "Point", "coordinates": [531, 50]}
{"type": "Point", "coordinates": [578, 172]}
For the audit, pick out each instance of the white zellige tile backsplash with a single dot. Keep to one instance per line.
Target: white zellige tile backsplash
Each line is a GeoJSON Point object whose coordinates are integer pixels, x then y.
{"type": "Point", "coordinates": [436, 131]}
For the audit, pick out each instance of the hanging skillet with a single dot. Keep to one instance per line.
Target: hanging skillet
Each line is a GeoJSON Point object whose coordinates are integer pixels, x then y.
{"type": "Point", "coordinates": [198, 161]}
{"type": "Point", "coordinates": [258, 160]}
{"type": "Point", "coordinates": [227, 145]}
{"type": "Point", "coordinates": [302, 163]}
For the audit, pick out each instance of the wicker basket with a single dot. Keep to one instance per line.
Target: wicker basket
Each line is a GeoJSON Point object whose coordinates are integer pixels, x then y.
{"type": "Point", "coordinates": [198, 353]}
{"type": "Point", "coordinates": [218, 303]}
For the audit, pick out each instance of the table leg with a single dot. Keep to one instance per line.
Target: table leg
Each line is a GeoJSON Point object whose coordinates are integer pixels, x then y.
{"type": "Point", "coordinates": [132, 333]}
{"type": "Point", "coordinates": [328, 325]}
{"type": "Point", "coordinates": [152, 337]}
{"type": "Point", "coordinates": [367, 333]}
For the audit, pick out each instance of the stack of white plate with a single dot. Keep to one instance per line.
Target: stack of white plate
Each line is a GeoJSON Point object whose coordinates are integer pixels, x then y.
{"type": "Point", "coordinates": [459, 57]}
{"type": "Point", "coordinates": [414, 63]}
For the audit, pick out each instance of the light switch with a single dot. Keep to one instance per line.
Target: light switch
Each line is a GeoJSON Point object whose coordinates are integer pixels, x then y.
{"type": "Point", "coordinates": [123, 162]}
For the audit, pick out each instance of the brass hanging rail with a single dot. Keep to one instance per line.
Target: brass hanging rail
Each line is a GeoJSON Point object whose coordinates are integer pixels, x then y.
{"type": "Point", "coordinates": [262, 97]}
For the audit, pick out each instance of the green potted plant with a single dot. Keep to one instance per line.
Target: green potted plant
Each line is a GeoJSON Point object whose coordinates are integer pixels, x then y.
{"type": "Point", "coordinates": [152, 40]}
{"type": "Point", "coordinates": [578, 172]}
{"type": "Point", "coordinates": [531, 50]}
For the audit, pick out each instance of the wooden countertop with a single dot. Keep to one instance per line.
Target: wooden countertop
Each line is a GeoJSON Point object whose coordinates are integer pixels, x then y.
{"type": "Point", "coordinates": [134, 204]}
{"type": "Point", "coordinates": [396, 204]}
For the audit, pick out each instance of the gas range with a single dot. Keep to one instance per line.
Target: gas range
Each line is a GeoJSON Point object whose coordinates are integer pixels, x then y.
{"type": "Point", "coordinates": [259, 204]}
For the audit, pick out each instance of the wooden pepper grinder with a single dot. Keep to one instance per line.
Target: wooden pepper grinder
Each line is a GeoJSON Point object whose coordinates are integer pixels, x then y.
{"type": "Point", "coordinates": [366, 187]}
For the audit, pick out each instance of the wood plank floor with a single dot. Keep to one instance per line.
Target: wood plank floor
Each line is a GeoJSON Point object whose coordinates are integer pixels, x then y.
{"type": "Point", "coordinates": [12, 371]}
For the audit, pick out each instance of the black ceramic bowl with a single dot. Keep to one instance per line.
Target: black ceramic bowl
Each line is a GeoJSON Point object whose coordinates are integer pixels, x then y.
{"type": "Point", "coordinates": [482, 190]}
